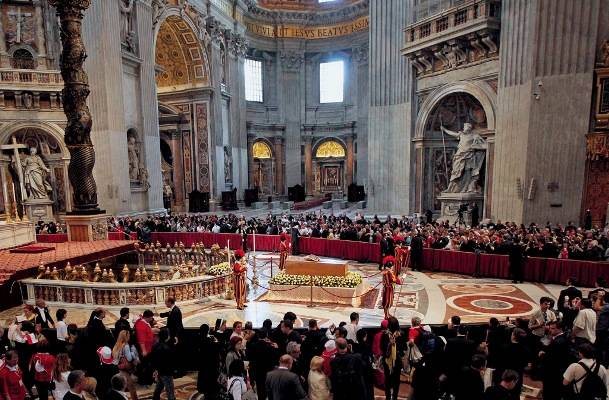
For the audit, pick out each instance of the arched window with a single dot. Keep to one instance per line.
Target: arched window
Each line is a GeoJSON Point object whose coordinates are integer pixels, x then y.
{"type": "Point", "coordinates": [330, 149]}
{"type": "Point", "coordinates": [23, 59]}
{"type": "Point", "coordinates": [261, 150]}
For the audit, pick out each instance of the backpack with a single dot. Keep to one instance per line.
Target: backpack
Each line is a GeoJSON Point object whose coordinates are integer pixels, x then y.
{"type": "Point", "coordinates": [593, 387]}
{"type": "Point", "coordinates": [427, 342]}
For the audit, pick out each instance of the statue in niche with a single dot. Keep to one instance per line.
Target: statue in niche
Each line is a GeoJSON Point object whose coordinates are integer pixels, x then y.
{"type": "Point", "coordinates": [223, 63]}
{"type": "Point", "coordinates": [158, 8]}
{"type": "Point", "coordinates": [467, 160]}
{"type": "Point", "coordinates": [134, 158]}
{"type": "Point", "coordinates": [34, 176]}
{"type": "Point", "coordinates": [127, 32]}
{"type": "Point", "coordinates": [28, 101]}
{"type": "Point", "coordinates": [143, 177]}
{"type": "Point", "coordinates": [228, 164]}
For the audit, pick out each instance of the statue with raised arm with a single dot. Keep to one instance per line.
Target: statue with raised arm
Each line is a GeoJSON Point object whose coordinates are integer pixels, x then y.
{"type": "Point", "coordinates": [467, 161]}
{"type": "Point", "coordinates": [34, 176]}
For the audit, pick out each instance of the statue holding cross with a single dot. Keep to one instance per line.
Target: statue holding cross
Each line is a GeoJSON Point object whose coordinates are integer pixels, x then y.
{"type": "Point", "coordinates": [17, 160]}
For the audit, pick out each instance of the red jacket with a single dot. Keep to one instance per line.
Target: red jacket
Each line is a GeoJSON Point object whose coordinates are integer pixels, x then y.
{"type": "Point", "coordinates": [143, 335]}
{"type": "Point", "coordinates": [45, 363]}
{"type": "Point", "coordinates": [11, 384]}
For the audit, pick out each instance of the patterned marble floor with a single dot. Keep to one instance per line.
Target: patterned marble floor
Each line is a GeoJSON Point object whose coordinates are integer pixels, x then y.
{"type": "Point", "coordinates": [434, 297]}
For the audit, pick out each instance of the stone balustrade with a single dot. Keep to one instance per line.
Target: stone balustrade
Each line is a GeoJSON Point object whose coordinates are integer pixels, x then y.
{"type": "Point", "coordinates": [115, 294]}
{"type": "Point", "coordinates": [456, 36]}
{"type": "Point", "coordinates": [25, 78]}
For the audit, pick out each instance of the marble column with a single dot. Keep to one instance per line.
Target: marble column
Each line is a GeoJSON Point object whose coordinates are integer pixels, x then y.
{"type": "Point", "coordinates": [279, 180]}
{"type": "Point", "coordinates": [40, 40]}
{"type": "Point", "coordinates": [178, 171]}
{"type": "Point", "coordinates": [391, 108]}
{"type": "Point", "coordinates": [250, 161]}
{"type": "Point", "coordinates": [149, 106]}
{"type": "Point", "coordinates": [350, 158]}
{"type": "Point", "coordinates": [4, 61]}
{"type": "Point", "coordinates": [308, 159]}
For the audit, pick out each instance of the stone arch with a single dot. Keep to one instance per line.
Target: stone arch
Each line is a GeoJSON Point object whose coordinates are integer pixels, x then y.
{"type": "Point", "coordinates": [179, 53]}
{"type": "Point", "coordinates": [481, 91]}
{"type": "Point", "coordinates": [264, 169]}
{"type": "Point", "coordinates": [434, 151]}
{"type": "Point", "coordinates": [53, 151]}
{"type": "Point", "coordinates": [327, 141]}
{"type": "Point", "coordinates": [54, 130]}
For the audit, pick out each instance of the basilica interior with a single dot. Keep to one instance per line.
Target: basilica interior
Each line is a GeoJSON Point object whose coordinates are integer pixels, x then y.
{"type": "Point", "coordinates": [297, 111]}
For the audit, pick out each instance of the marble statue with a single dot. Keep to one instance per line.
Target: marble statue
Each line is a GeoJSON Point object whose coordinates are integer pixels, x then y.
{"type": "Point", "coordinates": [34, 176]}
{"type": "Point", "coordinates": [467, 160]}
{"type": "Point", "coordinates": [158, 8]}
{"type": "Point", "coordinates": [126, 7]}
{"type": "Point", "coordinates": [228, 164]}
{"type": "Point", "coordinates": [28, 101]}
{"type": "Point", "coordinates": [134, 159]}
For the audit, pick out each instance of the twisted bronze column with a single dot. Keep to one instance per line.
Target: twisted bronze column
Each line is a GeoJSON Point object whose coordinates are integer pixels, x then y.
{"type": "Point", "coordinates": [75, 92]}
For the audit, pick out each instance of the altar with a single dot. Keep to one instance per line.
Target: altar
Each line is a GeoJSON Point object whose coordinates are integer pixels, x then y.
{"type": "Point", "coordinates": [15, 234]}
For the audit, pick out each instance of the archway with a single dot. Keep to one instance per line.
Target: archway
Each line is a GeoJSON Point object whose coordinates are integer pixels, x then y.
{"type": "Point", "coordinates": [264, 167]}
{"type": "Point", "coordinates": [329, 166]}
{"type": "Point", "coordinates": [182, 65]}
{"type": "Point", "coordinates": [48, 142]}
{"type": "Point", "coordinates": [435, 150]}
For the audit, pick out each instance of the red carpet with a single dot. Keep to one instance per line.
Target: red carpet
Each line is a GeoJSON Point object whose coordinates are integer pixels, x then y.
{"type": "Point", "coordinates": [22, 265]}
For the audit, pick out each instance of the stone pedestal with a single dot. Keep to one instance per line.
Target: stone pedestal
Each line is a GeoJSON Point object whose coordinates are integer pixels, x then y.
{"type": "Point", "coordinates": [87, 228]}
{"type": "Point", "coordinates": [452, 201]}
{"type": "Point", "coordinates": [39, 209]}
{"type": "Point", "coordinates": [15, 234]}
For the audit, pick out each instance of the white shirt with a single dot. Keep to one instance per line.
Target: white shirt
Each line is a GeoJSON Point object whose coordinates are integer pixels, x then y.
{"type": "Point", "coordinates": [42, 314]}
{"type": "Point", "coordinates": [352, 332]}
{"type": "Point", "coordinates": [62, 330]}
{"type": "Point", "coordinates": [586, 320]}
{"type": "Point", "coordinates": [61, 388]}
{"type": "Point", "coordinates": [238, 389]}
{"type": "Point", "coordinates": [576, 371]}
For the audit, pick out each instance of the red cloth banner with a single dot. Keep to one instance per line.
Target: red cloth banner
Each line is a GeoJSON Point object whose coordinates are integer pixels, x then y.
{"type": "Point", "coordinates": [52, 238]}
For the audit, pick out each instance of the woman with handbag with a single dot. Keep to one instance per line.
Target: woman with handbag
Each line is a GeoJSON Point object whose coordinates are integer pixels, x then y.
{"type": "Point", "coordinates": [124, 358]}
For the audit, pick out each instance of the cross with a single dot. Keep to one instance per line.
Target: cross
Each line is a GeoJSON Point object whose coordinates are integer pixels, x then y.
{"type": "Point", "coordinates": [19, 19]}
{"type": "Point", "coordinates": [15, 147]}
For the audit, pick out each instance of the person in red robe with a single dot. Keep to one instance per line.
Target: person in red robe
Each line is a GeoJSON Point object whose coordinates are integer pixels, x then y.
{"type": "Point", "coordinates": [402, 255]}
{"type": "Point", "coordinates": [389, 278]}
{"type": "Point", "coordinates": [284, 251]}
{"type": "Point", "coordinates": [11, 378]}
{"type": "Point", "coordinates": [239, 271]}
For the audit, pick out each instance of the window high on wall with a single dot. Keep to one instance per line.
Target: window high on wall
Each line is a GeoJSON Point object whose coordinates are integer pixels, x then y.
{"type": "Point", "coordinates": [253, 80]}
{"type": "Point", "coordinates": [325, 1]}
{"type": "Point", "coordinates": [331, 81]}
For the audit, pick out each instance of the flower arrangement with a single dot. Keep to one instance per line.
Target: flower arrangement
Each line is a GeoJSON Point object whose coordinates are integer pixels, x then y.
{"type": "Point", "coordinates": [351, 280]}
{"type": "Point", "coordinates": [220, 269]}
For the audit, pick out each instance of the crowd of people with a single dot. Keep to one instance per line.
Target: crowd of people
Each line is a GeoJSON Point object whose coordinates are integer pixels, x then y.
{"type": "Point", "coordinates": [550, 240]}
{"type": "Point", "coordinates": [565, 345]}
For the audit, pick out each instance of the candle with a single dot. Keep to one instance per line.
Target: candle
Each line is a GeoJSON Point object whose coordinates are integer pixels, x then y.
{"type": "Point", "coordinates": [228, 251]}
{"type": "Point", "coordinates": [254, 241]}
{"type": "Point", "coordinates": [14, 198]}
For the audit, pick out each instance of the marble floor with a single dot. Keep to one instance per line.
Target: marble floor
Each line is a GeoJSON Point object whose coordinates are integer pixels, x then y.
{"type": "Point", "coordinates": [434, 297]}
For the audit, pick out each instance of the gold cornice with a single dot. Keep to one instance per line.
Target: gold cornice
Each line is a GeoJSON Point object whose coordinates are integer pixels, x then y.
{"type": "Point", "coordinates": [308, 32]}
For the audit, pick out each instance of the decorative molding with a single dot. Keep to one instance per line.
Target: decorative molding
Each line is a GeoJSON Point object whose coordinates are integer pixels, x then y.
{"type": "Point", "coordinates": [291, 60]}
{"type": "Point", "coordinates": [237, 45]}
{"type": "Point", "coordinates": [321, 17]}
{"type": "Point", "coordinates": [360, 53]}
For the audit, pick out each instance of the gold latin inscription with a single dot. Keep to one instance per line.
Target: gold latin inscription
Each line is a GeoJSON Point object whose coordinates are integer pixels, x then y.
{"type": "Point", "coordinates": [299, 32]}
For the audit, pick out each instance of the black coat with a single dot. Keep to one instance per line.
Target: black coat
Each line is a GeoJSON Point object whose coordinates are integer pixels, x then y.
{"type": "Point", "coordinates": [209, 366]}
{"type": "Point", "coordinates": [355, 388]}
{"type": "Point", "coordinates": [174, 322]}
{"type": "Point", "coordinates": [416, 247]}
{"type": "Point", "coordinates": [49, 320]}
{"type": "Point", "coordinates": [282, 384]}
{"type": "Point", "coordinates": [572, 292]}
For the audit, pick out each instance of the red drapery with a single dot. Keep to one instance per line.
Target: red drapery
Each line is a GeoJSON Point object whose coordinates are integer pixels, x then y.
{"type": "Point", "coordinates": [52, 238]}
{"type": "Point", "coordinates": [122, 236]}
{"type": "Point", "coordinates": [264, 242]}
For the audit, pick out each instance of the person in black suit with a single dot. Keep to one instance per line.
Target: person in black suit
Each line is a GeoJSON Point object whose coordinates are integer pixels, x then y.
{"type": "Point", "coordinates": [387, 247]}
{"type": "Point", "coordinates": [471, 384]}
{"type": "Point", "coordinates": [565, 302]}
{"type": "Point", "coordinates": [117, 388]}
{"type": "Point", "coordinates": [174, 320]}
{"type": "Point", "coordinates": [457, 355]}
{"type": "Point", "coordinates": [282, 384]}
{"type": "Point", "coordinates": [176, 328]}
{"type": "Point", "coordinates": [347, 374]}
{"type": "Point", "coordinates": [555, 358]}
{"type": "Point", "coordinates": [516, 257]}
{"type": "Point", "coordinates": [416, 252]}
{"type": "Point", "coordinates": [475, 213]}
{"type": "Point", "coordinates": [43, 317]}
{"type": "Point", "coordinates": [76, 381]}
{"type": "Point", "coordinates": [122, 324]}
{"type": "Point", "coordinates": [96, 335]}
{"type": "Point", "coordinates": [295, 239]}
